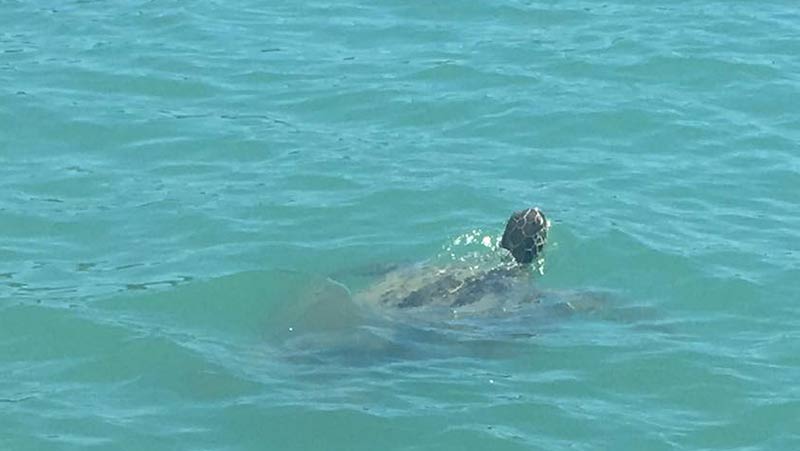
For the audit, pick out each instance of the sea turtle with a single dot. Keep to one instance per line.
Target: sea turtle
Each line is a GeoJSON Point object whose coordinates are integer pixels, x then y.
{"type": "Point", "coordinates": [461, 289]}
{"type": "Point", "coordinates": [434, 309]}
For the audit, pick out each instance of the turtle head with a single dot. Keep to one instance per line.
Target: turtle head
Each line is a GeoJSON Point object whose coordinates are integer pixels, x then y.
{"type": "Point", "coordinates": [525, 235]}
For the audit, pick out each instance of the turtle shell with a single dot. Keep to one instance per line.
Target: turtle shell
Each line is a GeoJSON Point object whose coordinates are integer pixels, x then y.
{"type": "Point", "coordinates": [461, 288]}
{"type": "Point", "coordinates": [462, 285]}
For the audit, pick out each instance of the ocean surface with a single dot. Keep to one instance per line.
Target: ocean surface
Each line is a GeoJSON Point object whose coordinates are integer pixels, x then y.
{"type": "Point", "coordinates": [193, 195]}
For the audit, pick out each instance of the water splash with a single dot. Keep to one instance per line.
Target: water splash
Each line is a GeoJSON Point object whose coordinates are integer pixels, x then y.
{"type": "Point", "coordinates": [480, 251]}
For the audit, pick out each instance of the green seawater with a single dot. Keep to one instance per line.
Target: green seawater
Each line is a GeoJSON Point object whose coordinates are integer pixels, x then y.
{"type": "Point", "coordinates": [192, 193]}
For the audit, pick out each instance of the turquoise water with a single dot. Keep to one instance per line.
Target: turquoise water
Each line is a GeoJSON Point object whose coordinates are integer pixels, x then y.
{"type": "Point", "coordinates": [182, 183]}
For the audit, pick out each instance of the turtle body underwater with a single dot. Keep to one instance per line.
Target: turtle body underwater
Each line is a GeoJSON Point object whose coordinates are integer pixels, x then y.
{"type": "Point", "coordinates": [463, 289]}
